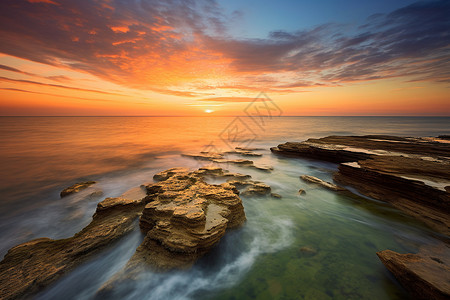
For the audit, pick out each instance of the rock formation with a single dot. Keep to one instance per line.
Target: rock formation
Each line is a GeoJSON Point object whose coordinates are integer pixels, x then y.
{"type": "Point", "coordinates": [182, 216]}
{"type": "Point", "coordinates": [30, 266]}
{"type": "Point", "coordinates": [76, 188]}
{"type": "Point", "coordinates": [413, 174]}
{"type": "Point", "coordinates": [426, 275]}
{"type": "Point", "coordinates": [221, 158]}
{"type": "Point", "coordinates": [325, 184]}
{"type": "Point", "coordinates": [185, 217]}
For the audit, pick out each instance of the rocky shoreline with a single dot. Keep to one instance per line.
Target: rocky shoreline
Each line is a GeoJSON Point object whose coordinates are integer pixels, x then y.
{"type": "Point", "coordinates": [181, 216]}
{"type": "Point", "coordinates": [412, 174]}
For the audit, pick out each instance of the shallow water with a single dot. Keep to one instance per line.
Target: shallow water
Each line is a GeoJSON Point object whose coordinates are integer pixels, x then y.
{"type": "Point", "coordinates": [315, 246]}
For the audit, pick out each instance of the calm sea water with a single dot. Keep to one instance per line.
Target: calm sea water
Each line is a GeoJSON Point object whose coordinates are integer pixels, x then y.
{"type": "Point", "coordinates": [264, 260]}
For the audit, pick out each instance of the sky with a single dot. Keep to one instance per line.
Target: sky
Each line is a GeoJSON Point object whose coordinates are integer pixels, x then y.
{"type": "Point", "coordinates": [205, 57]}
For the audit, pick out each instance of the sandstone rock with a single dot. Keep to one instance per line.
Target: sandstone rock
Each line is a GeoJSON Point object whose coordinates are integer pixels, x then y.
{"type": "Point", "coordinates": [410, 173]}
{"type": "Point", "coordinates": [426, 275]}
{"type": "Point", "coordinates": [185, 217]}
{"type": "Point", "coordinates": [414, 186]}
{"type": "Point", "coordinates": [301, 192]}
{"type": "Point", "coordinates": [163, 175]}
{"type": "Point", "coordinates": [30, 266]}
{"type": "Point", "coordinates": [256, 188]}
{"type": "Point", "coordinates": [220, 159]}
{"type": "Point", "coordinates": [76, 188]}
{"type": "Point", "coordinates": [354, 148]}
{"type": "Point", "coordinates": [325, 184]}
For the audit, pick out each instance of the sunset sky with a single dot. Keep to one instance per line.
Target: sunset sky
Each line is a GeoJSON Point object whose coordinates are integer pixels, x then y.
{"type": "Point", "coordinates": [195, 58]}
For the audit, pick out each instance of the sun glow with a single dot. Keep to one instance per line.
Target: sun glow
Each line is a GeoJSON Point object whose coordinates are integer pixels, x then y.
{"type": "Point", "coordinates": [208, 111]}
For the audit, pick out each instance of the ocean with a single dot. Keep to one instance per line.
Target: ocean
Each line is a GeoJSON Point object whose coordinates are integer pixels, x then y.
{"type": "Point", "coordinates": [263, 260]}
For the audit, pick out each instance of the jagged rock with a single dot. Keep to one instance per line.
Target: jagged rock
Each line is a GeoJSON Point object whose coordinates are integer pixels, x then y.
{"type": "Point", "coordinates": [426, 275]}
{"type": "Point", "coordinates": [325, 184]}
{"type": "Point", "coordinates": [185, 217]}
{"type": "Point", "coordinates": [76, 188]}
{"type": "Point", "coordinates": [30, 266]}
{"type": "Point", "coordinates": [256, 188]}
{"type": "Point", "coordinates": [163, 175]}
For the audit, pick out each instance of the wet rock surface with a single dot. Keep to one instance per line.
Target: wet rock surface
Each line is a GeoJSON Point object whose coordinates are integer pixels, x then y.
{"type": "Point", "coordinates": [222, 158]}
{"type": "Point", "coordinates": [426, 275]}
{"type": "Point", "coordinates": [30, 266]}
{"type": "Point", "coordinates": [325, 184]}
{"type": "Point", "coordinates": [413, 174]}
{"type": "Point", "coordinates": [182, 216]}
{"type": "Point", "coordinates": [76, 188]}
{"type": "Point", "coordinates": [185, 217]}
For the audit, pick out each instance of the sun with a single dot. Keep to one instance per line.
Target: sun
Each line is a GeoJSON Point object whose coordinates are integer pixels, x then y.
{"type": "Point", "coordinates": [208, 111]}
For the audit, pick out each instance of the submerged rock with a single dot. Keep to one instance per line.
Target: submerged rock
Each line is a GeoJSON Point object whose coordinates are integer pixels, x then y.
{"type": "Point", "coordinates": [76, 188]}
{"type": "Point", "coordinates": [426, 275]}
{"type": "Point", "coordinates": [308, 250]}
{"type": "Point", "coordinates": [325, 184]}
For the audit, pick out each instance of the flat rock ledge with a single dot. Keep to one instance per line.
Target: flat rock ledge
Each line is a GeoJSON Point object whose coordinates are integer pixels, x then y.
{"type": "Point", "coordinates": [426, 275]}
{"type": "Point", "coordinates": [413, 174]}
{"type": "Point", "coordinates": [221, 158]}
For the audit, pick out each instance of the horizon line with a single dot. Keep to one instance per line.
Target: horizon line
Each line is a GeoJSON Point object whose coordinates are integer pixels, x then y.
{"type": "Point", "coordinates": [209, 116]}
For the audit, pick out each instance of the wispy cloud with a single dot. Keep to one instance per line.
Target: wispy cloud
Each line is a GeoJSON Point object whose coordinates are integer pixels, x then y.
{"type": "Point", "coordinates": [56, 95]}
{"type": "Point", "coordinates": [183, 48]}
{"type": "Point", "coordinates": [11, 69]}
{"type": "Point", "coordinates": [56, 85]}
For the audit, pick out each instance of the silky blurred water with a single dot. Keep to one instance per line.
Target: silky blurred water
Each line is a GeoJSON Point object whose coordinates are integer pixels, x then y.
{"type": "Point", "coordinates": [316, 246]}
